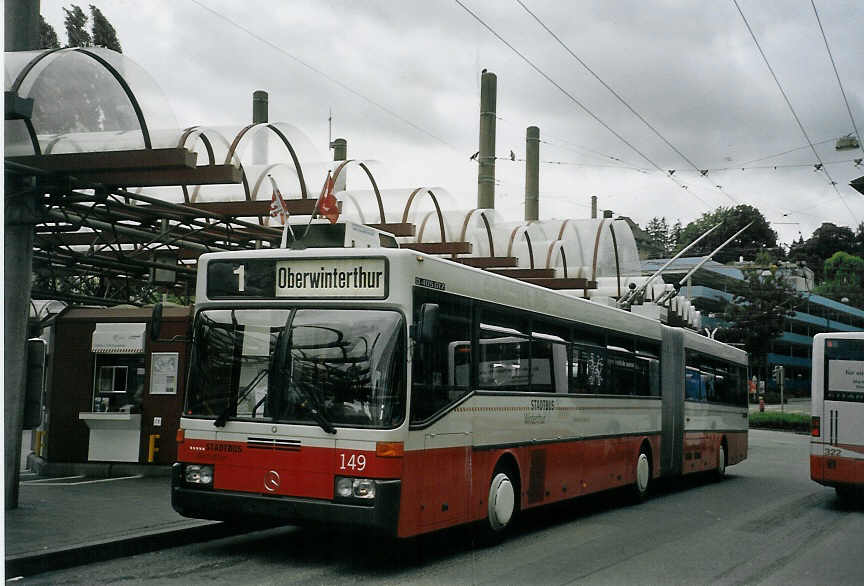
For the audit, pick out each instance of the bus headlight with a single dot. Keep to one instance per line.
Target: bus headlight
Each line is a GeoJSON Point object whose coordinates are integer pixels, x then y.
{"type": "Point", "coordinates": [198, 474]}
{"type": "Point", "coordinates": [355, 488]}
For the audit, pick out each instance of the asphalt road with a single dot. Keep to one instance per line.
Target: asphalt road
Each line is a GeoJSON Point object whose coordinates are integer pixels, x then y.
{"type": "Point", "coordinates": [766, 523]}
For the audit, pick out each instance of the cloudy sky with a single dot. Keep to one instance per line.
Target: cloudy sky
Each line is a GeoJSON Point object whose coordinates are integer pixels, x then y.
{"type": "Point", "coordinates": [402, 81]}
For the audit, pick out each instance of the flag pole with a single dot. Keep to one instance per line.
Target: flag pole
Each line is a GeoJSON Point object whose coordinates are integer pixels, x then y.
{"type": "Point", "coordinates": [317, 203]}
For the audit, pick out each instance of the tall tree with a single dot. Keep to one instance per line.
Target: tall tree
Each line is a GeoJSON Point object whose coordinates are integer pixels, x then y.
{"type": "Point", "coordinates": [76, 34]}
{"type": "Point", "coordinates": [658, 235]}
{"type": "Point", "coordinates": [47, 35]}
{"type": "Point", "coordinates": [756, 315]}
{"type": "Point", "coordinates": [825, 241]}
{"type": "Point", "coordinates": [844, 279]}
{"type": "Point", "coordinates": [756, 238]}
{"type": "Point", "coordinates": [104, 34]}
{"type": "Point", "coordinates": [675, 236]}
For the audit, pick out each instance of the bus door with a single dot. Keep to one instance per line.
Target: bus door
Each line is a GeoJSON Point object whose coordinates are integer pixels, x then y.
{"type": "Point", "coordinates": [843, 411]}
{"type": "Point", "coordinates": [446, 478]}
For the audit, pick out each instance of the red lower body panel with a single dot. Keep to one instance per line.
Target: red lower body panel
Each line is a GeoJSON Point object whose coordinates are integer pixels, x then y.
{"type": "Point", "coordinates": [701, 449]}
{"type": "Point", "coordinates": [836, 470]}
{"type": "Point", "coordinates": [449, 486]}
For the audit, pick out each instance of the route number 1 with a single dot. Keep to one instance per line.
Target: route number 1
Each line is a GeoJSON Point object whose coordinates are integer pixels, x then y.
{"type": "Point", "coordinates": [240, 271]}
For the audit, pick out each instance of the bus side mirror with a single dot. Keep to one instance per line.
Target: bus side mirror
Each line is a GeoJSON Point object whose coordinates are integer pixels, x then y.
{"type": "Point", "coordinates": [156, 322]}
{"type": "Point", "coordinates": [427, 323]}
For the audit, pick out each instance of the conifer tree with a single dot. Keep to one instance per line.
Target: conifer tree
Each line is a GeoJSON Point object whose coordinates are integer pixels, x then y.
{"type": "Point", "coordinates": [104, 34]}
{"type": "Point", "coordinates": [76, 34]}
{"type": "Point", "coordinates": [47, 35]}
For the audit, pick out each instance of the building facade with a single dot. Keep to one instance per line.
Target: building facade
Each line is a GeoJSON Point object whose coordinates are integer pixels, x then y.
{"type": "Point", "coordinates": [715, 285]}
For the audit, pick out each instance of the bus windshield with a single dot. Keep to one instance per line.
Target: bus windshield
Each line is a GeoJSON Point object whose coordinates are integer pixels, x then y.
{"type": "Point", "coordinates": [311, 366]}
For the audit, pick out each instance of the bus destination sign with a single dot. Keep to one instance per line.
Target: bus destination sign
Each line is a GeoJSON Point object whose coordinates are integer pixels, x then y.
{"type": "Point", "coordinates": [307, 278]}
{"type": "Point", "coordinates": [332, 278]}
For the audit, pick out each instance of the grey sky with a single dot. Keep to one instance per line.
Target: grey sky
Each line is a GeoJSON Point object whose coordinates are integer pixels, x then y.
{"type": "Point", "coordinates": [690, 68]}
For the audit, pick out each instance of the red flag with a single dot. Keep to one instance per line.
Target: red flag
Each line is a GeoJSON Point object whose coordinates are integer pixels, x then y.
{"type": "Point", "coordinates": [327, 204]}
{"type": "Point", "coordinates": [277, 203]}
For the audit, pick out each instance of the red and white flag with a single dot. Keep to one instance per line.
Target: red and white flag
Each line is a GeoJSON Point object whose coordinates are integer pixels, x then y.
{"type": "Point", "coordinates": [277, 203]}
{"type": "Point", "coordinates": [327, 204]}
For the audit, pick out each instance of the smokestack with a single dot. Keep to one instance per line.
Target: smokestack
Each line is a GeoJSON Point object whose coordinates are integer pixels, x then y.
{"type": "Point", "coordinates": [340, 153]}
{"type": "Point", "coordinates": [486, 157]}
{"type": "Point", "coordinates": [260, 106]}
{"type": "Point", "coordinates": [593, 207]}
{"type": "Point", "coordinates": [532, 174]}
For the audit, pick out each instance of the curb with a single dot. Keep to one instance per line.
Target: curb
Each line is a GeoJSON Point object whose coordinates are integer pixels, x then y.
{"type": "Point", "coordinates": [100, 551]}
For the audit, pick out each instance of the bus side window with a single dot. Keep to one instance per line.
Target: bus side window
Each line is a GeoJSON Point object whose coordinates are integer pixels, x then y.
{"type": "Point", "coordinates": [692, 382]}
{"type": "Point", "coordinates": [441, 369]}
{"type": "Point", "coordinates": [588, 370]}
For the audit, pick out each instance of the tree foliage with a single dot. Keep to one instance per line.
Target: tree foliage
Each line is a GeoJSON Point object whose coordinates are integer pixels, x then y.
{"type": "Point", "coordinates": [658, 236]}
{"type": "Point", "coordinates": [757, 237]}
{"type": "Point", "coordinates": [104, 34]}
{"type": "Point", "coordinates": [756, 315]}
{"type": "Point", "coordinates": [47, 35]}
{"type": "Point", "coordinates": [844, 279]}
{"type": "Point", "coordinates": [76, 34]}
{"type": "Point", "coordinates": [826, 240]}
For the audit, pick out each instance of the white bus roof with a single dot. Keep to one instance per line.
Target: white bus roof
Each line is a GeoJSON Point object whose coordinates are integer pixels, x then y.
{"type": "Point", "coordinates": [460, 279]}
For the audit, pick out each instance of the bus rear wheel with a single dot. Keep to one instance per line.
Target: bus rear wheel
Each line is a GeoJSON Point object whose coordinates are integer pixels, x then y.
{"type": "Point", "coordinates": [720, 470]}
{"type": "Point", "coordinates": [643, 476]}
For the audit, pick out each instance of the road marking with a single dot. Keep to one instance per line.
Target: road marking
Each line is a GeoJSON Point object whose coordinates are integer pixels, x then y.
{"type": "Point", "coordinates": [42, 483]}
{"type": "Point", "coordinates": [47, 480]}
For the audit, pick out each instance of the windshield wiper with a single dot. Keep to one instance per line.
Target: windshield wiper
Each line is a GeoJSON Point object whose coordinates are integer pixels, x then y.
{"type": "Point", "coordinates": [282, 366]}
{"type": "Point", "coordinates": [223, 417]}
{"type": "Point", "coordinates": [312, 404]}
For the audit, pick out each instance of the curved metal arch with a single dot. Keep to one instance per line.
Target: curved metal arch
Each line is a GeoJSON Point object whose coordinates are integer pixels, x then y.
{"type": "Point", "coordinates": [34, 140]}
{"type": "Point", "coordinates": [142, 123]}
{"type": "Point", "coordinates": [200, 133]}
{"type": "Point", "coordinates": [353, 200]}
{"type": "Point", "coordinates": [363, 166]}
{"type": "Point", "coordinates": [49, 148]}
{"type": "Point", "coordinates": [129, 93]}
{"type": "Point", "coordinates": [596, 248]}
{"type": "Point", "coordinates": [233, 148]}
{"type": "Point", "coordinates": [485, 223]}
{"type": "Point", "coordinates": [22, 75]}
{"type": "Point", "coordinates": [563, 255]}
{"type": "Point", "coordinates": [437, 210]}
{"type": "Point", "coordinates": [527, 239]}
{"type": "Point", "coordinates": [561, 231]}
{"type": "Point", "coordinates": [615, 248]}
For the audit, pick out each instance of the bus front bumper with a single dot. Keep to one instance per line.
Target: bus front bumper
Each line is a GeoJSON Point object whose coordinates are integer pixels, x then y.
{"type": "Point", "coordinates": [244, 507]}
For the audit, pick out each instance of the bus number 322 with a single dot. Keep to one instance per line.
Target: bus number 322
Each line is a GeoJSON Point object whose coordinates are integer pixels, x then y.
{"type": "Point", "coordinates": [355, 462]}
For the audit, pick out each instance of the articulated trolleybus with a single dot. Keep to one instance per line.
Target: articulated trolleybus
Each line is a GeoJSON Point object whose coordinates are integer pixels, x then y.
{"type": "Point", "coordinates": [837, 430]}
{"type": "Point", "coordinates": [406, 393]}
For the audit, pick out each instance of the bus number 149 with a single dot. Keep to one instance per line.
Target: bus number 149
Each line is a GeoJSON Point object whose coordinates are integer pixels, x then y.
{"type": "Point", "coordinates": [355, 462]}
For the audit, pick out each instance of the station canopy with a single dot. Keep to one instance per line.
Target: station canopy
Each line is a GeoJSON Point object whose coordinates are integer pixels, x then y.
{"type": "Point", "coordinates": [127, 199]}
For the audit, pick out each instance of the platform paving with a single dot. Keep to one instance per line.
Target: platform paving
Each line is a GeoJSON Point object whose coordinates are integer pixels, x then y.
{"type": "Point", "coordinates": [77, 518]}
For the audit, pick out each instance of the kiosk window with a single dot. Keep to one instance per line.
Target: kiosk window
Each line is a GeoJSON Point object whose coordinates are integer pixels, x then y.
{"type": "Point", "coordinates": [118, 382]}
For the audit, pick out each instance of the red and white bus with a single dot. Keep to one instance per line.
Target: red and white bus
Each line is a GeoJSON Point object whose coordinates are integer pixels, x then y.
{"type": "Point", "coordinates": [837, 394]}
{"type": "Point", "coordinates": [406, 393]}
